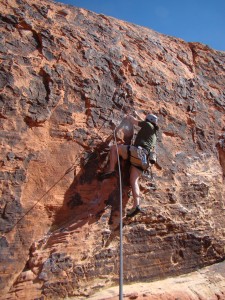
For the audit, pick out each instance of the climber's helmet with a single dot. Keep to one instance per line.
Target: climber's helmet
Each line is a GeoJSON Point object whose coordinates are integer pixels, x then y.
{"type": "Point", "coordinates": [152, 118]}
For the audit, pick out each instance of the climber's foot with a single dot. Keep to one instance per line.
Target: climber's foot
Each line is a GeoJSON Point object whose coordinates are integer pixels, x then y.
{"type": "Point", "coordinates": [134, 211]}
{"type": "Point", "coordinates": [107, 175]}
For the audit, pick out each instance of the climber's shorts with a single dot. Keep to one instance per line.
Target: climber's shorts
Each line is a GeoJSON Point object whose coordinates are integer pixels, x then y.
{"type": "Point", "coordinates": [123, 151]}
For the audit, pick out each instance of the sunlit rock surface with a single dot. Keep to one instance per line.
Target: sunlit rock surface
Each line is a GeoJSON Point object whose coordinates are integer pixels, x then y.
{"type": "Point", "coordinates": [67, 78]}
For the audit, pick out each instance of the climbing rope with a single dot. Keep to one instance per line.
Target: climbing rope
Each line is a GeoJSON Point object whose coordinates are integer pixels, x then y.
{"type": "Point", "coordinates": [121, 222]}
{"type": "Point", "coordinates": [121, 209]}
{"type": "Point", "coordinates": [70, 169]}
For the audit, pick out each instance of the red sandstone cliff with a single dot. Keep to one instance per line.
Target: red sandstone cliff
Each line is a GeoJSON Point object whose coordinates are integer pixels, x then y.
{"type": "Point", "coordinates": [67, 77]}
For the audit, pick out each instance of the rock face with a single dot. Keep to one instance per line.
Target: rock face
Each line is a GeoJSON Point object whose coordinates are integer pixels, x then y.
{"type": "Point", "coordinates": [206, 283]}
{"type": "Point", "coordinates": [67, 78]}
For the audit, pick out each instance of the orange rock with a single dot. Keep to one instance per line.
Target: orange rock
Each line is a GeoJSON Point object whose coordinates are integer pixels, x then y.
{"type": "Point", "coordinates": [67, 78]}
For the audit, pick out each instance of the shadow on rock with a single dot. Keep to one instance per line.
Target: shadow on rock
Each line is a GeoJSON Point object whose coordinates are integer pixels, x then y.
{"type": "Point", "coordinates": [88, 197]}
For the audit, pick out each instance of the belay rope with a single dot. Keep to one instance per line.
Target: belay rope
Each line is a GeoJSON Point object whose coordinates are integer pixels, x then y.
{"type": "Point", "coordinates": [121, 210]}
{"type": "Point", "coordinates": [147, 175]}
{"type": "Point", "coordinates": [121, 222]}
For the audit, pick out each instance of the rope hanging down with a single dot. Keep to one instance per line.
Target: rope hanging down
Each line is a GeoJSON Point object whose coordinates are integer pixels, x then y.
{"type": "Point", "coordinates": [33, 206]}
{"type": "Point", "coordinates": [121, 222]}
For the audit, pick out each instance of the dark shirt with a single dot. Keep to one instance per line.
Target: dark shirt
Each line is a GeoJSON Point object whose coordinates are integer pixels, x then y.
{"type": "Point", "coordinates": [146, 136]}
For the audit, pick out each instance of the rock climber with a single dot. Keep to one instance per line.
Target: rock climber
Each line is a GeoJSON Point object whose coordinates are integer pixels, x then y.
{"type": "Point", "coordinates": [145, 141]}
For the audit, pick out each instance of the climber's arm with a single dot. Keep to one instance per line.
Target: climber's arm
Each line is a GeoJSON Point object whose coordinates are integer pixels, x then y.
{"type": "Point", "coordinates": [134, 120]}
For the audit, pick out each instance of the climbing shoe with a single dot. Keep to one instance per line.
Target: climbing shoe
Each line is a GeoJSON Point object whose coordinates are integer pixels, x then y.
{"type": "Point", "coordinates": [107, 175]}
{"type": "Point", "coordinates": [135, 211]}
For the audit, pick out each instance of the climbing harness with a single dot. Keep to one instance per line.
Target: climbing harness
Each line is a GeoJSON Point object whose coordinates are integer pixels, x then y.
{"type": "Point", "coordinates": [138, 157]}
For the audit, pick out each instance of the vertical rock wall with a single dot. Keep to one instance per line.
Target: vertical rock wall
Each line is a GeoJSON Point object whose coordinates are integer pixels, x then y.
{"type": "Point", "coordinates": [67, 78]}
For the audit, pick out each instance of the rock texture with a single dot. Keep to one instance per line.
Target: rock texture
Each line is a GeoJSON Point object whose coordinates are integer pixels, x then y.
{"type": "Point", "coordinates": [67, 78]}
{"type": "Point", "coordinates": [207, 283]}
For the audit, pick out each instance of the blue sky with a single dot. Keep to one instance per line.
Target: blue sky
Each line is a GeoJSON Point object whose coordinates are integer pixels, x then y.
{"type": "Point", "coordinates": [191, 20]}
